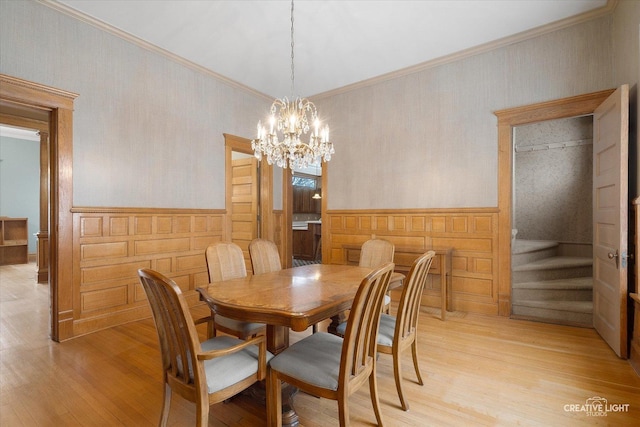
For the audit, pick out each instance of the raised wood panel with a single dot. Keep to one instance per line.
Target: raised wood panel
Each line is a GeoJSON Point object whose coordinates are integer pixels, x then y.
{"type": "Point", "coordinates": [471, 233]}
{"type": "Point", "coordinates": [110, 245]}
{"type": "Point", "coordinates": [104, 299]}
{"type": "Point", "coordinates": [90, 227]}
{"type": "Point", "coordinates": [104, 250]}
{"type": "Point", "coordinates": [119, 226]}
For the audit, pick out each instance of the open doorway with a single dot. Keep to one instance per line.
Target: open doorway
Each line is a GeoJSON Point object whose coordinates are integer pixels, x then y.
{"type": "Point", "coordinates": [20, 201]}
{"type": "Point", "coordinates": [306, 221]}
{"type": "Point", "coordinates": [552, 234]}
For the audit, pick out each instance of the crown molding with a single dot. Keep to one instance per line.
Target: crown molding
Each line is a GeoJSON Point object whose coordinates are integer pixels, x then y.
{"type": "Point", "coordinates": [457, 56]}
{"type": "Point", "coordinates": [148, 46]}
{"type": "Point", "coordinates": [506, 41]}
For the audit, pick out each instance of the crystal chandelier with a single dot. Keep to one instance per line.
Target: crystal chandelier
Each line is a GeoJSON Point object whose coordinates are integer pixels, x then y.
{"type": "Point", "coordinates": [292, 119]}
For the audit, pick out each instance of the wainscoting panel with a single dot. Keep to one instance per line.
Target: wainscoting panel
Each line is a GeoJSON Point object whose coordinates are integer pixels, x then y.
{"type": "Point", "coordinates": [109, 247]}
{"type": "Point", "coordinates": [471, 233]}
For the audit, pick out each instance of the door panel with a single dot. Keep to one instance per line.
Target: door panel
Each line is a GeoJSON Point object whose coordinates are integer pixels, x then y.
{"type": "Point", "coordinates": [244, 204]}
{"type": "Point", "coordinates": [610, 219]}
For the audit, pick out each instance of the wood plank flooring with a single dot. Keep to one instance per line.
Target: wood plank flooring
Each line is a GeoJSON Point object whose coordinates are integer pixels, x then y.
{"type": "Point", "coordinates": [478, 371]}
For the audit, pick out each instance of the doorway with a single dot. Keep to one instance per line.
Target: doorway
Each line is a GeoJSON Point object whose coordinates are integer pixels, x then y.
{"type": "Point", "coordinates": [306, 209]}
{"type": "Point", "coordinates": [552, 256]}
{"type": "Point", "coordinates": [24, 99]}
{"type": "Point", "coordinates": [610, 205]}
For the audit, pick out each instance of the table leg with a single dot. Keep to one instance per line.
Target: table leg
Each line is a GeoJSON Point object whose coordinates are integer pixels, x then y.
{"type": "Point", "coordinates": [277, 341]}
{"type": "Point", "coordinates": [277, 338]}
{"type": "Point", "coordinates": [335, 322]}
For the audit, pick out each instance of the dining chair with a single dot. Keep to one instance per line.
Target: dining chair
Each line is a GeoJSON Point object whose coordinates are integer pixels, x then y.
{"type": "Point", "coordinates": [332, 367]}
{"type": "Point", "coordinates": [375, 252]}
{"type": "Point", "coordinates": [204, 373]}
{"type": "Point", "coordinates": [398, 333]}
{"type": "Point", "coordinates": [264, 256]}
{"type": "Point", "coordinates": [225, 261]}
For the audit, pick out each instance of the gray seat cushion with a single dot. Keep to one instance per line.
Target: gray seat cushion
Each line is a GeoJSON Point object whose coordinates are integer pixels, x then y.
{"type": "Point", "coordinates": [387, 300]}
{"type": "Point", "coordinates": [314, 360]}
{"type": "Point", "coordinates": [228, 370]}
{"type": "Point", "coordinates": [385, 333]}
{"type": "Point", "coordinates": [246, 328]}
{"type": "Point", "coordinates": [387, 330]}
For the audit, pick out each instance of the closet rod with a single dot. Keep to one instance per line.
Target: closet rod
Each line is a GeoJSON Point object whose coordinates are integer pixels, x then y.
{"type": "Point", "coordinates": [540, 147]}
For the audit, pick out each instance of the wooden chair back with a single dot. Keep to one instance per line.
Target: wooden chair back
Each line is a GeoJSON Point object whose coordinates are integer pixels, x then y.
{"type": "Point", "coordinates": [376, 252]}
{"type": "Point", "coordinates": [264, 256]}
{"type": "Point", "coordinates": [225, 261]}
{"type": "Point", "coordinates": [404, 327]}
{"type": "Point", "coordinates": [360, 338]}
{"type": "Point", "coordinates": [409, 306]}
{"type": "Point", "coordinates": [176, 331]}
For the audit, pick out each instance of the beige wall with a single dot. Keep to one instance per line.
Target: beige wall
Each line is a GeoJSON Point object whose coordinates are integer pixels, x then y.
{"type": "Point", "coordinates": [147, 130]}
{"type": "Point", "coordinates": [429, 139]}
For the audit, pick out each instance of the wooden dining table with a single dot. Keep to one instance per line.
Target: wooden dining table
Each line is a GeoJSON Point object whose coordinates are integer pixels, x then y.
{"type": "Point", "coordinates": [293, 298]}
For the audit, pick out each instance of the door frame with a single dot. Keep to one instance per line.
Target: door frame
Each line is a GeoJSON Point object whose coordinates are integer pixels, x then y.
{"type": "Point", "coordinates": [507, 120]}
{"type": "Point", "coordinates": [59, 105]}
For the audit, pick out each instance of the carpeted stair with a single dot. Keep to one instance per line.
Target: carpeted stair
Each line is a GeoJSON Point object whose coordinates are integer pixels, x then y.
{"type": "Point", "coordinates": [549, 287]}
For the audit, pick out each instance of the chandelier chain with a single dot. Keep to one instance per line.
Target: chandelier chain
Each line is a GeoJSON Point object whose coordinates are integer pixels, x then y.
{"type": "Point", "coordinates": [292, 69]}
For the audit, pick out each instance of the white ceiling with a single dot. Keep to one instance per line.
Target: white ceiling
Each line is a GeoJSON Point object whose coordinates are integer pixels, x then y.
{"type": "Point", "coordinates": [337, 43]}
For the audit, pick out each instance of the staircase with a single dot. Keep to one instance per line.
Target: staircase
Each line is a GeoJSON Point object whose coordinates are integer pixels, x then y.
{"type": "Point", "coordinates": [548, 285]}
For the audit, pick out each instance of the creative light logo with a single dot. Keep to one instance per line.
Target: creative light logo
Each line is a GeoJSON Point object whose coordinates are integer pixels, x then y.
{"type": "Point", "coordinates": [596, 407]}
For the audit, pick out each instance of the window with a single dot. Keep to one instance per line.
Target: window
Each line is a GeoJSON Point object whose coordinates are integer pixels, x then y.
{"type": "Point", "coordinates": [304, 181]}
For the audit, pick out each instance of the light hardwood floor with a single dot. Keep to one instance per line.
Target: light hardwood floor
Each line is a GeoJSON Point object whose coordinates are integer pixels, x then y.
{"type": "Point", "coordinates": [478, 370]}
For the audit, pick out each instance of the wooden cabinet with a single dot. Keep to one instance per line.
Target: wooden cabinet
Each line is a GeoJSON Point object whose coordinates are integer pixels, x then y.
{"type": "Point", "coordinates": [302, 244]}
{"type": "Point", "coordinates": [13, 241]}
{"type": "Point", "coordinates": [303, 201]}
{"type": "Point", "coordinates": [305, 242]}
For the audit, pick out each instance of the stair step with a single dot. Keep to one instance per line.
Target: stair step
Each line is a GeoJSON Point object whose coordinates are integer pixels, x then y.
{"type": "Point", "coordinates": [553, 268]}
{"type": "Point", "coordinates": [572, 289]}
{"type": "Point", "coordinates": [526, 251]}
{"type": "Point", "coordinates": [576, 283]}
{"type": "Point", "coordinates": [555, 262]}
{"type": "Point", "coordinates": [578, 313]}
{"type": "Point", "coordinates": [524, 246]}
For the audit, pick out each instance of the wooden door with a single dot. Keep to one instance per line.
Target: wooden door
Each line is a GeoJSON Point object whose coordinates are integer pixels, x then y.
{"type": "Point", "coordinates": [610, 219]}
{"type": "Point", "coordinates": [244, 203]}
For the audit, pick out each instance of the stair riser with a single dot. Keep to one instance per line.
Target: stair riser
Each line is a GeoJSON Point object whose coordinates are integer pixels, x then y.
{"type": "Point", "coordinates": [518, 295]}
{"type": "Point", "coordinates": [553, 315]}
{"type": "Point", "coordinates": [551, 274]}
{"type": "Point", "coordinates": [527, 257]}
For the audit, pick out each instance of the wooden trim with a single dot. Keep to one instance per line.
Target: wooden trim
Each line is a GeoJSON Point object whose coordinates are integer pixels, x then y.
{"type": "Point", "coordinates": [508, 119]}
{"type": "Point", "coordinates": [59, 104]}
{"type": "Point", "coordinates": [130, 210]}
{"type": "Point", "coordinates": [25, 122]}
{"type": "Point", "coordinates": [411, 211]}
